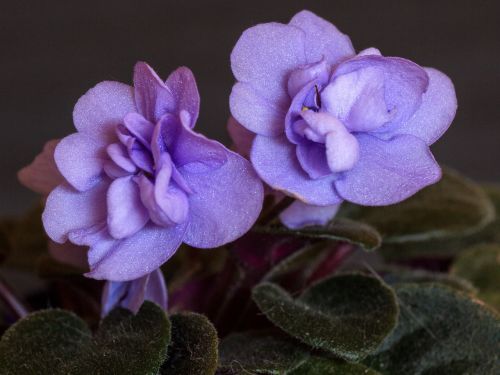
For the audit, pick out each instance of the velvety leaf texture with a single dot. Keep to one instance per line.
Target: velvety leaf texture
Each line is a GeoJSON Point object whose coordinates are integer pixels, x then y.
{"type": "Point", "coordinates": [261, 353]}
{"type": "Point", "coordinates": [53, 342]}
{"type": "Point", "coordinates": [404, 276]}
{"type": "Point", "coordinates": [327, 366]}
{"type": "Point", "coordinates": [342, 229]}
{"type": "Point", "coordinates": [45, 342]}
{"type": "Point", "coordinates": [453, 207]}
{"type": "Point", "coordinates": [326, 316]}
{"type": "Point", "coordinates": [440, 331]}
{"type": "Point", "coordinates": [481, 266]}
{"type": "Point", "coordinates": [194, 346]}
{"type": "Point", "coordinates": [447, 247]}
{"type": "Point", "coordinates": [128, 344]}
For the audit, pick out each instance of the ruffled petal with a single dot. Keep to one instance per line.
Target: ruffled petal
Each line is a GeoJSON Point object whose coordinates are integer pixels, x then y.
{"type": "Point", "coordinates": [102, 108]}
{"type": "Point", "coordinates": [276, 163]}
{"type": "Point", "coordinates": [126, 213]}
{"type": "Point", "coordinates": [183, 86]}
{"type": "Point", "coordinates": [152, 97]}
{"type": "Point", "coordinates": [300, 214]}
{"type": "Point", "coordinates": [225, 203]}
{"type": "Point", "coordinates": [438, 108]}
{"type": "Point", "coordinates": [68, 209]}
{"type": "Point", "coordinates": [254, 112]}
{"type": "Point", "coordinates": [322, 39]}
{"type": "Point", "coordinates": [388, 171]}
{"type": "Point", "coordinates": [404, 83]}
{"type": "Point", "coordinates": [134, 256]}
{"type": "Point", "coordinates": [80, 159]}
{"type": "Point", "coordinates": [42, 175]}
{"type": "Point", "coordinates": [186, 147]}
{"type": "Point", "coordinates": [312, 158]}
{"type": "Point", "coordinates": [264, 56]}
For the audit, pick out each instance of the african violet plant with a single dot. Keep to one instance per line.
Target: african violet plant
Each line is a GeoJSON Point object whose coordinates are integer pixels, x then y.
{"type": "Point", "coordinates": [338, 245]}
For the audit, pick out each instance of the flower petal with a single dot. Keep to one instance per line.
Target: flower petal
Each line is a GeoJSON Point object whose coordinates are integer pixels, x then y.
{"type": "Point", "coordinates": [276, 163]}
{"type": "Point", "coordinates": [322, 38]}
{"type": "Point", "coordinates": [438, 108]}
{"type": "Point", "coordinates": [225, 202]}
{"type": "Point", "coordinates": [68, 209]}
{"type": "Point", "coordinates": [300, 214]}
{"type": "Point", "coordinates": [254, 112]}
{"type": "Point", "coordinates": [126, 213]}
{"type": "Point", "coordinates": [388, 171]}
{"type": "Point", "coordinates": [241, 137]}
{"type": "Point", "coordinates": [264, 56]}
{"type": "Point", "coordinates": [156, 289]}
{"type": "Point", "coordinates": [312, 158]}
{"type": "Point", "coordinates": [404, 83]}
{"type": "Point", "coordinates": [152, 97]}
{"type": "Point", "coordinates": [80, 159]}
{"type": "Point", "coordinates": [131, 294]}
{"type": "Point", "coordinates": [102, 108]}
{"type": "Point", "coordinates": [186, 147]}
{"type": "Point", "coordinates": [183, 86]}
{"type": "Point", "coordinates": [42, 175]}
{"type": "Point", "coordinates": [134, 256]}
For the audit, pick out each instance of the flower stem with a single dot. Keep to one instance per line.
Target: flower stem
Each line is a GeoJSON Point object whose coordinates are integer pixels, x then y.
{"type": "Point", "coordinates": [8, 296]}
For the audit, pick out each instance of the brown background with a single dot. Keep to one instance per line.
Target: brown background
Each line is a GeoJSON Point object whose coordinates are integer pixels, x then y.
{"type": "Point", "coordinates": [53, 51]}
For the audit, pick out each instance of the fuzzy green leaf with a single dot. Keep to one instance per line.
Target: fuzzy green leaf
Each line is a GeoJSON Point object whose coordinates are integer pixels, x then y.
{"type": "Point", "coordinates": [261, 353]}
{"type": "Point", "coordinates": [448, 247]}
{"type": "Point", "coordinates": [45, 343]}
{"type": "Point", "coordinates": [349, 315]}
{"type": "Point", "coordinates": [405, 276]}
{"type": "Point", "coordinates": [328, 366]}
{"type": "Point", "coordinates": [454, 207]}
{"type": "Point", "coordinates": [440, 331]}
{"type": "Point", "coordinates": [54, 342]}
{"type": "Point", "coordinates": [341, 229]}
{"type": "Point", "coordinates": [481, 266]}
{"type": "Point", "coordinates": [194, 346]}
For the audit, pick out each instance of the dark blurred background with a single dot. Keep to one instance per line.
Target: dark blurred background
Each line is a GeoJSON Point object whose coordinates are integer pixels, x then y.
{"type": "Point", "coordinates": [53, 51]}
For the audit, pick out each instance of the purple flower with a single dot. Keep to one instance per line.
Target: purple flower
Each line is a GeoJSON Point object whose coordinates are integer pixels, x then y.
{"type": "Point", "coordinates": [131, 294]}
{"type": "Point", "coordinates": [331, 125]}
{"type": "Point", "coordinates": [138, 181]}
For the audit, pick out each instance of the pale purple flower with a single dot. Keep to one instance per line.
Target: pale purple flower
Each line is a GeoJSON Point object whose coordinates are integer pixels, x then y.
{"type": "Point", "coordinates": [298, 214]}
{"type": "Point", "coordinates": [138, 181]}
{"type": "Point", "coordinates": [131, 294]}
{"type": "Point", "coordinates": [332, 125]}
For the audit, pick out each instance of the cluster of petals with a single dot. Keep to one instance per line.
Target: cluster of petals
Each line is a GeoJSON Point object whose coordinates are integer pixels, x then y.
{"type": "Point", "coordinates": [329, 125]}
{"type": "Point", "coordinates": [137, 181]}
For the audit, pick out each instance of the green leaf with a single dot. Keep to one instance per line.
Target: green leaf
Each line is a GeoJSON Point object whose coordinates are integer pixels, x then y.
{"type": "Point", "coordinates": [454, 207]}
{"type": "Point", "coordinates": [405, 276]}
{"type": "Point", "coordinates": [128, 344]}
{"type": "Point", "coordinates": [440, 329]}
{"type": "Point", "coordinates": [54, 342]}
{"type": "Point", "coordinates": [448, 247]}
{"type": "Point", "coordinates": [261, 352]}
{"type": "Point", "coordinates": [328, 366]}
{"type": "Point", "coordinates": [348, 315]}
{"type": "Point", "coordinates": [194, 346]}
{"type": "Point", "coordinates": [481, 266]}
{"type": "Point", "coordinates": [341, 229]}
{"type": "Point", "coordinates": [45, 342]}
